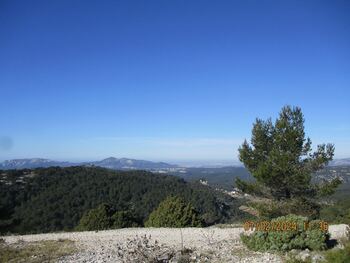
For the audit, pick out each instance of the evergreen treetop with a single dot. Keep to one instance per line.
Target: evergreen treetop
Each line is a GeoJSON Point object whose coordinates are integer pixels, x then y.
{"type": "Point", "coordinates": [280, 158]}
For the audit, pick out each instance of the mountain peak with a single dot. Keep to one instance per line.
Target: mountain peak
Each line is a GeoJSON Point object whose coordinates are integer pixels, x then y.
{"type": "Point", "coordinates": [110, 159]}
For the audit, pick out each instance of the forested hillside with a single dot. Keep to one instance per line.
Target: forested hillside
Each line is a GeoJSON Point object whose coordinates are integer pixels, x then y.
{"type": "Point", "coordinates": [54, 199]}
{"type": "Point", "coordinates": [222, 177]}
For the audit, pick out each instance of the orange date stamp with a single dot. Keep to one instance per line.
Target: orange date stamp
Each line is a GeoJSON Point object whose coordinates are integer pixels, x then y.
{"type": "Point", "coordinates": [282, 226]}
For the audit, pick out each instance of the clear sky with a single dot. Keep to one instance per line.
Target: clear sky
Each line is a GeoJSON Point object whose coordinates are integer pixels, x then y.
{"type": "Point", "coordinates": [168, 80]}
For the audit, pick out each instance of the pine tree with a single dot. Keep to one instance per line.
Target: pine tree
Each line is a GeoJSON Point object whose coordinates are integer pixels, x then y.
{"type": "Point", "coordinates": [280, 158]}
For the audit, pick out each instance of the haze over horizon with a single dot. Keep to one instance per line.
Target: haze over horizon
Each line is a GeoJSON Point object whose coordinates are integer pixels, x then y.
{"type": "Point", "coordinates": [168, 81]}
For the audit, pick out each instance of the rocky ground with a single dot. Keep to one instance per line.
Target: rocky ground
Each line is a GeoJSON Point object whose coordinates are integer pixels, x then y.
{"type": "Point", "coordinates": [165, 244]}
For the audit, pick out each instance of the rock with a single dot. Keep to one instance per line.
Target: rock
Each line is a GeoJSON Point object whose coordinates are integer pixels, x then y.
{"type": "Point", "coordinates": [304, 255]}
{"type": "Point", "coordinates": [164, 257]}
{"type": "Point", "coordinates": [341, 231]}
{"type": "Point", "coordinates": [317, 258]}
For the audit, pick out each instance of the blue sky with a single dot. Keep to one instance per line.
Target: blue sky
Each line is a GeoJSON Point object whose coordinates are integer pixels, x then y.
{"type": "Point", "coordinates": [168, 80]}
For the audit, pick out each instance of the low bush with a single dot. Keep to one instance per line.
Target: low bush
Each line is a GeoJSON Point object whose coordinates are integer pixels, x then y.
{"type": "Point", "coordinates": [312, 238]}
{"type": "Point", "coordinates": [122, 219]}
{"type": "Point", "coordinates": [174, 212]}
{"type": "Point", "coordinates": [105, 217]}
{"type": "Point", "coordinates": [96, 219]}
{"type": "Point", "coordinates": [338, 255]}
{"type": "Point", "coordinates": [144, 249]}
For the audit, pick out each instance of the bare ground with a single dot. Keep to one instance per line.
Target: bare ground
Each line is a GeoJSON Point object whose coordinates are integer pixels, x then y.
{"type": "Point", "coordinates": [211, 244]}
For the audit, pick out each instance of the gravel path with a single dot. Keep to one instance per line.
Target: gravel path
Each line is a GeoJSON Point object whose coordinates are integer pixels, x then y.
{"type": "Point", "coordinates": [194, 237]}
{"type": "Point", "coordinates": [212, 242]}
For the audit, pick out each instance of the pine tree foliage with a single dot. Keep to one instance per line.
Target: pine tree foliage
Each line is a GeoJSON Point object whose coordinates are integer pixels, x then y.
{"type": "Point", "coordinates": [280, 158]}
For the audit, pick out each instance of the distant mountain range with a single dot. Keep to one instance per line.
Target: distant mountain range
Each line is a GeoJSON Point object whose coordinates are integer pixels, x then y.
{"type": "Point", "coordinates": [32, 163]}
{"type": "Point", "coordinates": [340, 162]}
{"type": "Point", "coordinates": [111, 163]}
{"type": "Point", "coordinates": [125, 163]}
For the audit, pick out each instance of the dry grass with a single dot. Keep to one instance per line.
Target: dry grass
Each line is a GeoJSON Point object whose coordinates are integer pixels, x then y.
{"type": "Point", "coordinates": [33, 252]}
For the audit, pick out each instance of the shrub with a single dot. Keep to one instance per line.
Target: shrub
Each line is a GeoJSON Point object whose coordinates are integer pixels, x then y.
{"type": "Point", "coordinates": [144, 249]}
{"type": "Point", "coordinates": [122, 219]}
{"type": "Point", "coordinates": [339, 255]}
{"type": "Point", "coordinates": [312, 238]}
{"type": "Point", "coordinates": [96, 219]}
{"type": "Point", "coordinates": [174, 212]}
{"type": "Point", "coordinates": [105, 217]}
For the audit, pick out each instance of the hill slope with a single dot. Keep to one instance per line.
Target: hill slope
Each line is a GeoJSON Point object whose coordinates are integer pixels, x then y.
{"type": "Point", "coordinates": [53, 199]}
